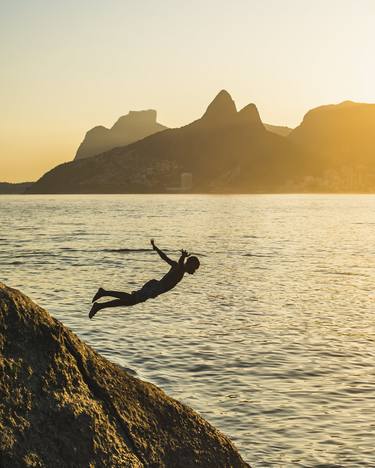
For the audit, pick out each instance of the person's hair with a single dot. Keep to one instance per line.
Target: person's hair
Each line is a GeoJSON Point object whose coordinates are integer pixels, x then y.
{"type": "Point", "coordinates": [193, 261]}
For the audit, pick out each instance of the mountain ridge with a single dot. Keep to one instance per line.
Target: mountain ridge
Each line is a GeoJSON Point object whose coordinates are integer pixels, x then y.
{"type": "Point", "coordinates": [339, 139]}
{"type": "Point", "coordinates": [218, 143]}
{"type": "Point", "coordinates": [127, 129]}
{"type": "Point", "coordinates": [232, 151]}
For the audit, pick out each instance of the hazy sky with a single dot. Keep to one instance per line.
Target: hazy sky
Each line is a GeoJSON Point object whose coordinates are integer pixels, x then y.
{"type": "Point", "coordinates": [69, 65]}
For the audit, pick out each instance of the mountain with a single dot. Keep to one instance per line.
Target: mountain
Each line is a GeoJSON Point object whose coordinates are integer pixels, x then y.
{"type": "Point", "coordinates": [9, 188]}
{"type": "Point", "coordinates": [225, 150]}
{"type": "Point", "coordinates": [64, 405]}
{"type": "Point", "coordinates": [339, 140]}
{"type": "Point", "coordinates": [129, 128]}
{"type": "Point", "coordinates": [279, 130]}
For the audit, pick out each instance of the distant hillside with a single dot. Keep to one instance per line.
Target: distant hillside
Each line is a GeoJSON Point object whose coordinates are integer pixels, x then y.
{"type": "Point", "coordinates": [129, 128]}
{"type": "Point", "coordinates": [279, 130]}
{"type": "Point", "coordinates": [340, 142]}
{"type": "Point", "coordinates": [333, 150]}
{"type": "Point", "coordinates": [225, 150]}
{"type": "Point", "coordinates": [8, 188]}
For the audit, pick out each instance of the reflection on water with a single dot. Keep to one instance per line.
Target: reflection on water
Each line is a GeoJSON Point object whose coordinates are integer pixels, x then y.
{"type": "Point", "coordinates": [272, 340]}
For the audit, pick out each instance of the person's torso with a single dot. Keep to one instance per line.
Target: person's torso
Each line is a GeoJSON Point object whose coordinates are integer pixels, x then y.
{"type": "Point", "coordinates": [170, 279]}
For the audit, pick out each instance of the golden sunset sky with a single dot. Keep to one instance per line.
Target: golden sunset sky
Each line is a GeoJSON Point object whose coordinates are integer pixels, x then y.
{"type": "Point", "coordinates": [68, 66]}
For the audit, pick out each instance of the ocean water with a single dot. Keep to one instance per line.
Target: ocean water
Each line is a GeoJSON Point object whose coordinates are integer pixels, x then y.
{"type": "Point", "coordinates": [272, 340]}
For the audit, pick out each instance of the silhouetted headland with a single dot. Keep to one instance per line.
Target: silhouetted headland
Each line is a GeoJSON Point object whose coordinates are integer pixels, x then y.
{"type": "Point", "coordinates": [17, 188]}
{"type": "Point", "coordinates": [62, 404]}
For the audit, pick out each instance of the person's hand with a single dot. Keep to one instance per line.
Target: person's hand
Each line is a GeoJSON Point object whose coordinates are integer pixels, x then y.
{"type": "Point", "coordinates": [152, 243]}
{"type": "Point", "coordinates": [185, 253]}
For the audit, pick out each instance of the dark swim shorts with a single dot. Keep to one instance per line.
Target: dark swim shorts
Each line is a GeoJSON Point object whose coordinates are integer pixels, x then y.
{"type": "Point", "coordinates": [149, 290]}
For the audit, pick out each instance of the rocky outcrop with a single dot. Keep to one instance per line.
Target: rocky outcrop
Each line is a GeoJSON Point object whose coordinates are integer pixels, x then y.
{"type": "Point", "coordinates": [221, 111]}
{"type": "Point", "coordinates": [225, 151]}
{"type": "Point", "coordinates": [129, 128]}
{"type": "Point", "coordinates": [63, 405]}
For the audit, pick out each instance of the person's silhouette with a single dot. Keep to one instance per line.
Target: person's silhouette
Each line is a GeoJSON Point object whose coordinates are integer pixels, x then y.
{"type": "Point", "coordinates": [151, 289]}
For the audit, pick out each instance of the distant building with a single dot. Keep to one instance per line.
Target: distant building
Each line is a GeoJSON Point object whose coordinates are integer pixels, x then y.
{"type": "Point", "coordinates": [186, 181]}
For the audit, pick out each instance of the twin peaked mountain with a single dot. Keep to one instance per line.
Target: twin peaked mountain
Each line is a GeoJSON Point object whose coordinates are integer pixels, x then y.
{"type": "Point", "coordinates": [225, 151]}
{"type": "Point", "coordinates": [137, 125]}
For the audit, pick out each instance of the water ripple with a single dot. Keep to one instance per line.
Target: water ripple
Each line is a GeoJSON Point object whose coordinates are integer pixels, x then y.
{"type": "Point", "coordinates": [273, 340]}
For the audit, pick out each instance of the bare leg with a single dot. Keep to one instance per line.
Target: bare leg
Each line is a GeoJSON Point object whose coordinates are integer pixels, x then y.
{"type": "Point", "coordinates": [102, 292]}
{"type": "Point", "coordinates": [119, 294]}
{"type": "Point", "coordinates": [127, 300]}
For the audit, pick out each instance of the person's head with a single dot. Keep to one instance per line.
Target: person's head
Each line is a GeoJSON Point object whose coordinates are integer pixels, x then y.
{"type": "Point", "coordinates": [192, 263]}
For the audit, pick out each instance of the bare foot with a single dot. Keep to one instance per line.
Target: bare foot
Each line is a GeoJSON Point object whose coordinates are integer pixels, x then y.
{"type": "Point", "coordinates": [94, 309]}
{"type": "Point", "coordinates": [98, 295]}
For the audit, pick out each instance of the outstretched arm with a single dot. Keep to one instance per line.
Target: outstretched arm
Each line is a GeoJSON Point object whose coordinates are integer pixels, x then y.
{"type": "Point", "coordinates": [184, 254]}
{"type": "Point", "coordinates": [162, 254]}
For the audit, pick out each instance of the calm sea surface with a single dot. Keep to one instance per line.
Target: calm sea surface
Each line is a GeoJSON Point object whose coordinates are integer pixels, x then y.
{"type": "Point", "coordinates": [272, 340]}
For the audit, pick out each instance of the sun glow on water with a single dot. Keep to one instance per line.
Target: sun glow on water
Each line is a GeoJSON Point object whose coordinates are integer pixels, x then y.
{"type": "Point", "coordinates": [272, 340]}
